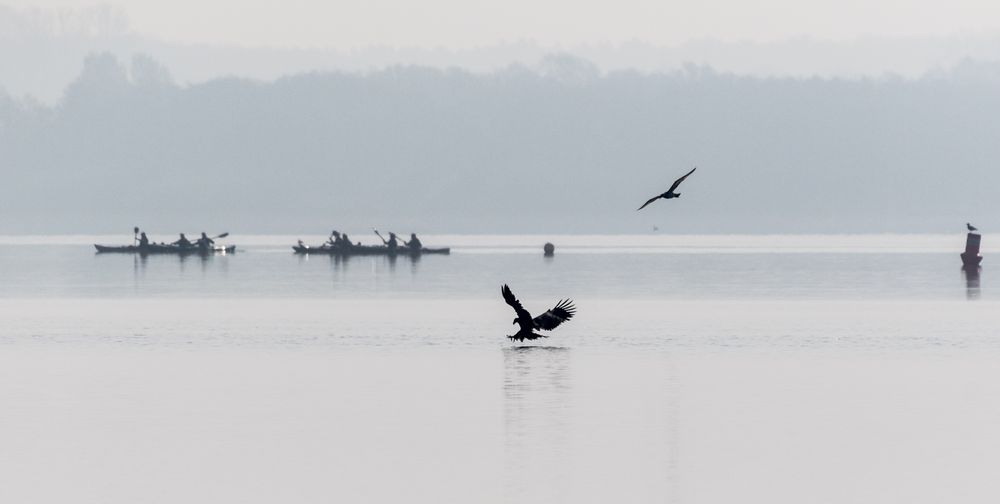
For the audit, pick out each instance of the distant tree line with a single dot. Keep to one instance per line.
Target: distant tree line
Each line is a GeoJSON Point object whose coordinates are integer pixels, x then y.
{"type": "Point", "coordinates": [558, 148]}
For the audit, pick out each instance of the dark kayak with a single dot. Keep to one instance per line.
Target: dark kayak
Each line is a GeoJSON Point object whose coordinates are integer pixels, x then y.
{"type": "Point", "coordinates": [366, 250]}
{"type": "Point", "coordinates": [165, 249]}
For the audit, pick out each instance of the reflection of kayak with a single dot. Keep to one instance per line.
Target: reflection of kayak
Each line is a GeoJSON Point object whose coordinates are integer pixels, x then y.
{"type": "Point", "coordinates": [165, 249]}
{"type": "Point", "coordinates": [366, 250]}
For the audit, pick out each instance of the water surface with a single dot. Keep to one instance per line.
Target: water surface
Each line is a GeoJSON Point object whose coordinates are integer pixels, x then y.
{"type": "Point", "coordinates": [699, 369]}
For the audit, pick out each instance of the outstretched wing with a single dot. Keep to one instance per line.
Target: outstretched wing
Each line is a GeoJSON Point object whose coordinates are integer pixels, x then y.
{"type": "Point", "coordinates": [678, 181]}
{"type": "Point", "coordinates": [523, 317]}
{"type": "Point", "coordinates": [654, 198]}
{"type": "Point", "coordinates": [551, 319]}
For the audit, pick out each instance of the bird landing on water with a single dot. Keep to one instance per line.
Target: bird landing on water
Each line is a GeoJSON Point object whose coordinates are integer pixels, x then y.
{"type": "Point", "coordinates": [563, 311]}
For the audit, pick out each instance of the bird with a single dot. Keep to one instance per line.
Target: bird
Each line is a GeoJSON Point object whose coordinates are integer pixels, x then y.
{"type": "Point", "coordinates": [670, 192]}
{"type": "Point", "coordinates": [563, 311]}
{"type": "Point", "coordinates": [970, 227]}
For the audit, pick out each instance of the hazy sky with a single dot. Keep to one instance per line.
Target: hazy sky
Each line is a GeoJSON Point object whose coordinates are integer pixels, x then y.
{"type": "Point", "coordinates": [467, 23]}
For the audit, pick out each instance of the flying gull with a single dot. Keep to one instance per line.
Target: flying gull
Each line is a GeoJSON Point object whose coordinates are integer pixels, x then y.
{"type": "Point", "coordinates": [670, 192]}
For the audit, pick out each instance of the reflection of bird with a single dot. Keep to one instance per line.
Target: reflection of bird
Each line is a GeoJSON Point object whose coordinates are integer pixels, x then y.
{"type": "Point", "coordinates": [547, 321]}
{"type": "Point", "coordinates": [670, 192]}
{"type": "Point", "coordinates": [970, 227]}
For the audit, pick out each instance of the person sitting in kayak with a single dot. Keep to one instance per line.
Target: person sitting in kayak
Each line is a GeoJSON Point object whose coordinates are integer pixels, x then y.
{"type": "Point", "coordinates": [414, 243]}
{"type": "Point", "coordinates": [344, 241]}
{"type": "Point", "coordinates": [182, 242]}
{"type": "Point", "coordinates": [333, 239]}
{"type": "Point", "coordinates": [205, 243]}
{"type": "Point", "coordinates": [143, 241]}
{"type": "Point", "coordinates": [392, 243]}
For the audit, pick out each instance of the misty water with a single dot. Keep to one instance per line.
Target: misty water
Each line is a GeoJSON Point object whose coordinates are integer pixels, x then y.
{"type": "Point", "coordinates": [848, 368]}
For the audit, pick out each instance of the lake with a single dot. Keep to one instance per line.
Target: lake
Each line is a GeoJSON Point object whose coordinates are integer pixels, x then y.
{"type": "Point", "coordinates": [850, 368]}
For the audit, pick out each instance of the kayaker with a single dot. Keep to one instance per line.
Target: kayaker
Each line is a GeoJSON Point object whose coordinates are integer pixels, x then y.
{"type": "Point", "coordinates": [345, 242]}
{"type": "Point", "coordinates": [333, 239]}
{"type": "Point", "coordinates": [143, 241]}
{"type": "Point", "coordinates": [393, 244]}
{"type": "Point", "coordinates": [182, 242]}
{"type": "Point", "coordinates": [205, 243]}
{"type": "Point", "coordinates": [414, 243]}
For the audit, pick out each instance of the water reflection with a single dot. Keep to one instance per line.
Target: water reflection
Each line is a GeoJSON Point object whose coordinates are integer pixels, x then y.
{"type": "Point", "coordinates": [182, 258]}
{"type": "Point", "coordinates": [340, 262]}
{"type": "Point", "coordinates": [972, 290]}
{"type": "Point", "coordinates": [138, 270]}
{"type": "Point", "coordinates": [536, 417]}
{"type": "Point", "coordinates": [153, 267]}
{"type": "Point", "coordinates": [372, 266]}
{"type": "Point", "coordinates": [204, 263]}
{"type": "Point", "coordinates": [139, 262]}
{"type": "Point", "coordinates": [414, 262]}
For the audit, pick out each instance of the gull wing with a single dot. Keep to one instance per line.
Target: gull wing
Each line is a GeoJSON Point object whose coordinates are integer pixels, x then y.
{"type": "Point", "coordinates": [678, 181]}
{"type": "Point", "coordinates": [654, 198]}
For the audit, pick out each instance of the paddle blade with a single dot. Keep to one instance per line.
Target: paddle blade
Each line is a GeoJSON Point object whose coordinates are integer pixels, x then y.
{"type": "Point", "coordinates": [223, 235]}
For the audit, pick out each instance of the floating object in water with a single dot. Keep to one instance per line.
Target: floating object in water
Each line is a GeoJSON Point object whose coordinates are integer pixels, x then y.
{"type": "Point", "coordinates": [153, 248]}
{"type": "Point", "coordinates": [971, 257]}
{"type": "Point", "coordinates": [367, 250]}
{"type": "Point", "coordinates": [549, 249]}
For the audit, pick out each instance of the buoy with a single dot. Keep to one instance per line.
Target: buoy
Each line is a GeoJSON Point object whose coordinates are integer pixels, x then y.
{"type": "Point", "coordinates": [971, 257]}
{"type": "Point", "coordinates": [549, 249]}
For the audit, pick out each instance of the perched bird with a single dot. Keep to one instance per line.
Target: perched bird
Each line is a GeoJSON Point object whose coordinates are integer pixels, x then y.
{"type": "Point", "coordinates": [547, 321]}
{"type": "Point", "coordinates": [970, 227]}
{"type": "Point", "coordinates": [670, 192]}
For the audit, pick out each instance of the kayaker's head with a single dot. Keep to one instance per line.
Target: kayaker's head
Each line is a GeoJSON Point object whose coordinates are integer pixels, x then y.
{"type": "Point", "coordinates": [182, 235]}
{"type": "Point", "coordinates": [203, 235]}
{"type": "Point", "coordinates": [142, 234]}
{"type": "Point", "coordinates": [392, 235]}
{"type": "Point", "coordinates": [413, 235]}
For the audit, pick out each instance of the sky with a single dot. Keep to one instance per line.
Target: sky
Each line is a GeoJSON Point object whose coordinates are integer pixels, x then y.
{"type": "Point", "coordinates": [458, 24]}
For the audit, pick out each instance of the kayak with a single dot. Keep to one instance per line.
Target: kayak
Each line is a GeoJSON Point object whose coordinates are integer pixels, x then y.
{"type": "Point", "coordinates": [366, 250]}
{"type": "Point", "coordinates": [165, 249]}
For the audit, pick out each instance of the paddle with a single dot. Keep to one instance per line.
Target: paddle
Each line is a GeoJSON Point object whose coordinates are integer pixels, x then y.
{"type": "Point", "coordinates": [135, 235]}
{"type": "Point", "coordinates": [380, 236]}
{"type": "Point", "coordinates": [216, 237]}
